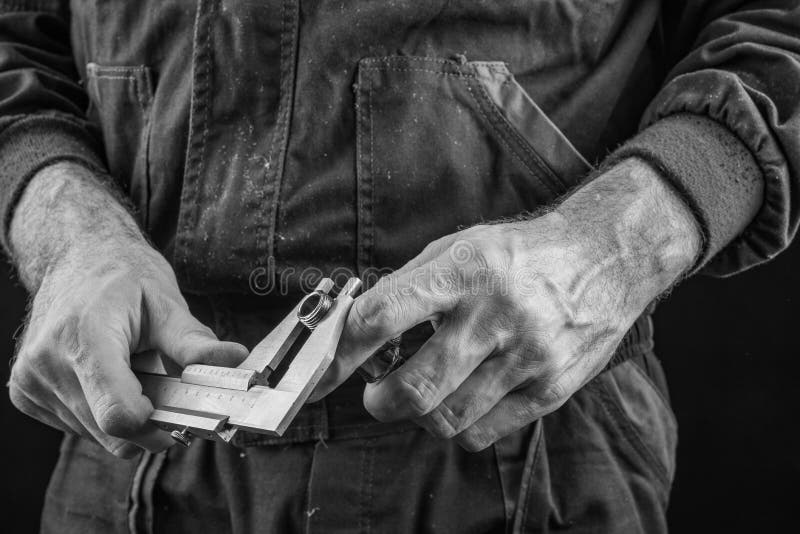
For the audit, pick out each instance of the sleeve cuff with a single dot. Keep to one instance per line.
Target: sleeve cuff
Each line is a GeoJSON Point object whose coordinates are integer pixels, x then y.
{"type": "Point", "coordinates": [709, 167]}
{"type": "Point", "coordinates": [32, 143]}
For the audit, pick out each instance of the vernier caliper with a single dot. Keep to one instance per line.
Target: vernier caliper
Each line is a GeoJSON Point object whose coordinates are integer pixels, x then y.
{"type": "Point", "coordinates": [265, 392]}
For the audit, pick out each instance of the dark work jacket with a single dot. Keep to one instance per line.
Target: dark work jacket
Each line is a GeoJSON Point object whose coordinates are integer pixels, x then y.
{"type": "Point", "coordinates": [259, 139]}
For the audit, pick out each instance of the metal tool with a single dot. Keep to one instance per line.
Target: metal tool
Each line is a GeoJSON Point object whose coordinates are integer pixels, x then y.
{"type": "Point", "coordinates": [265, 392]}
{"type": "Point", "coordinates": [385, 360]}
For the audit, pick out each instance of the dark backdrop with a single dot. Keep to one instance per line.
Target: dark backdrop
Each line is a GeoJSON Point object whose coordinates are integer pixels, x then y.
{"type": "Point", "coordinates": [731, 352]}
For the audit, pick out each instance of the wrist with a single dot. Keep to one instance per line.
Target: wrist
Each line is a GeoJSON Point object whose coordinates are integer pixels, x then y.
{"type": "Point", "coordinates": [65, 218]}
{"type": "Point", "coordinates": [630, 220]}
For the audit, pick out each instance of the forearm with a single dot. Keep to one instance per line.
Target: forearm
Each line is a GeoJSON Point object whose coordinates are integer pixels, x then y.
{"type": "Point", "coordinates": [66, 212]}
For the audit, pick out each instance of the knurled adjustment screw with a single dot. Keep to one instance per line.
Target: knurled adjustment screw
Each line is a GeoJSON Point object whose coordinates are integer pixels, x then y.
{"type": "Point", "coordinates": [182, 436]}
{"type": "Point", "coordinates": [313, 308]}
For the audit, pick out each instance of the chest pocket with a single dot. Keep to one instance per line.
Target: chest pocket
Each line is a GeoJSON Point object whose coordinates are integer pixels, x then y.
{"type": "Point", "coordinates": [120, 103]}
{"type": "Point", "coordinates": [443, 144]}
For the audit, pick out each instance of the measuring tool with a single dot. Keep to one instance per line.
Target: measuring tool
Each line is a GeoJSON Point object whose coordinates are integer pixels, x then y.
{"type": "Point", "coordinates": [265, 392]}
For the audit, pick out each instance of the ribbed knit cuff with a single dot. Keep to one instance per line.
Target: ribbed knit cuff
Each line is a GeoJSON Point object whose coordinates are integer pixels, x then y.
{"type": "Point", "coordinates": [30, 144]}
{"type": "Point", "coordinates": [709, 167]}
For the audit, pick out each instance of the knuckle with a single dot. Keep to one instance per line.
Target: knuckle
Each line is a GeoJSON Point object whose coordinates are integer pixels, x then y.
{"type": "Point", "coordinates": [417, 392]}
{"type": "Point", "coordinates": [540, 400]}
{"type": "Point", "coordinates": [554, 395]}
{"type": "Point", "coordinates": [18, 399]}
{"type": "Point", "coordinates": [444, 422]}
{"type": "Point", "coordinates": [377, 314]}
{"type": "Point", "coordinates": [116, 419]}
{"type": "Point", "coordinates": [480, 262]}
{"type": "Point", "coordinates": [432, 247]}
{"type": "Point", "coordinates": [62, 333]}
{"type": "Point", "coordinates": [78, 357]}
{"type": "Point", "coordinates": [65, 336]}
{"type": "Point", "coordinates": [23, 380]}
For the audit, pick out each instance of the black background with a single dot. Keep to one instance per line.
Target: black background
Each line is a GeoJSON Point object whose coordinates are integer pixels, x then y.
{"type": "Point", "coordinates": [730, 348]}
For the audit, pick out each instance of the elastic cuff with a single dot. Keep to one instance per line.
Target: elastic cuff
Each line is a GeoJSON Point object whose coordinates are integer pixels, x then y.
{"type": "Point", "coordinates": [709, 167]}
{"type": "Point", "coordinates": [30, 144]}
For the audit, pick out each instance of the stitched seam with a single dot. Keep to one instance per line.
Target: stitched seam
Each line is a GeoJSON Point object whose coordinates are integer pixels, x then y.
{"type": "Point", "coordinates": [523, 518]}
{"type": "Point", "coordinates": [309, 486]}
{"type": "Point", "coordinates": [145, 99]}
{"type": "Point", "coordinates": [100, 70]}
{"type": "Point", "coordinates": [630, 433]}
{"type": "Point", "coordinates": [272, 441]}
{"type": "Point", "coordinates": [638, 370]}
{"type": "Point", "coordinates": [369, 249]}
{"type": "Point", "coordinates": [263, 229]}
{"type": "Point", "coordinates": [199, 114]}
{"type": "Point", "coordinates": [509, 517]}
{"type": "Point", "coordinates": [506, 144]}
{"type": "Point", "coordinates": [521, 141]}
{"type": "Point", "coordinates": [413, 69]}
{"type": "Point", "coordinates": [112, 77]}
{"type": "Point", "coordinates": [139, 95]}
{"type": "Point", "coordinates": [287, 58]}
{"type": "Point", "coordinates": [365, 178]}
{"type": "Point", "coordinates": [359, 170]}
{"type": "Point", "coordinates": [404, 59]}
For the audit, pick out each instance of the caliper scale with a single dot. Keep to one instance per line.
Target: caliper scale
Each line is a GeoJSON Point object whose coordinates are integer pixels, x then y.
{"type": "Point", "coordinates": [265, 392]}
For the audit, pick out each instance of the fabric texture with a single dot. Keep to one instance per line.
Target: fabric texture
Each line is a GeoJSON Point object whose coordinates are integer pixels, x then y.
{"type": "Point", "coordinates": [224, 198]}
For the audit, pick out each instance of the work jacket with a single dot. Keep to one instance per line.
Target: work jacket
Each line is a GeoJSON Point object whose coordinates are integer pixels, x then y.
{"type": "Point", "coordinates": [260, 141]}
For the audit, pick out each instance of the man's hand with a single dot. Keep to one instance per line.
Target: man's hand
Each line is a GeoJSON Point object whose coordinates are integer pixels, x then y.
{"type": "Point", "coordinates": [526, 312]}
{"type": "Point", "coordinates": [101, 294]}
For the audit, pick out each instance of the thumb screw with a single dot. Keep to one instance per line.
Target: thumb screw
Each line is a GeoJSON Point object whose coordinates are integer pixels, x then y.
{"type": "Point", "coordinates": [182, 436]}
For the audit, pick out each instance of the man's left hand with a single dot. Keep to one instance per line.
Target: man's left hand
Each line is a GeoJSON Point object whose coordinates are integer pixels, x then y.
{"type": "Point", "coordinates": [526, 312]}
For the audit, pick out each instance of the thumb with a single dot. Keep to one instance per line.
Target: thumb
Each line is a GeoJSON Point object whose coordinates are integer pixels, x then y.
{"type": "Point", "coordinates": [178, 334]}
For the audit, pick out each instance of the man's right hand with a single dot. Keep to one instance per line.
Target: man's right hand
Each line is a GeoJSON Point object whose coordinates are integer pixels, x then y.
{"type": "Point", "coordinates": [94, 307]}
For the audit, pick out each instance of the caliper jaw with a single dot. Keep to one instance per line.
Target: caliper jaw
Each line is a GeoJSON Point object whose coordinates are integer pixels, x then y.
{"type": "Point", "coordinates": [265, 392]}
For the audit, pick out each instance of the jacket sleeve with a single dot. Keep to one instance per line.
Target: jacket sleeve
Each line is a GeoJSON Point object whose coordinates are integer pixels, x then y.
{"type": "Point", "coordinates": [41, 100]}
{"type": "Point", "coordinates": [725, 128]}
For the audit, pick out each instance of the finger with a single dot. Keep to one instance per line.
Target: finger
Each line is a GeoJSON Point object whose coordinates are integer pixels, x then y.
{"type": "Point", "coordinates": [519, 409]}
{"type": "Point", "coordinates": [395, 304]}
{"type": "Point", "coordinates": [112, 392]}
{"type": "Point", "coordinates": [34, 390]}
{"type": "Point", "coordinates": [79, 411]}
{"type": "Point", "coordinates": [479, 393]}
{"type": "Point", "coordinates": [35, 410]}
{"type": "Point", "coordinates": [434, 372]}
{"type": "Point", "coordinates": [73, 411]}
{"type": "Point", "coordinates": [117, 447]}
{"type": "Point", "coordinates": [172, 329]}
